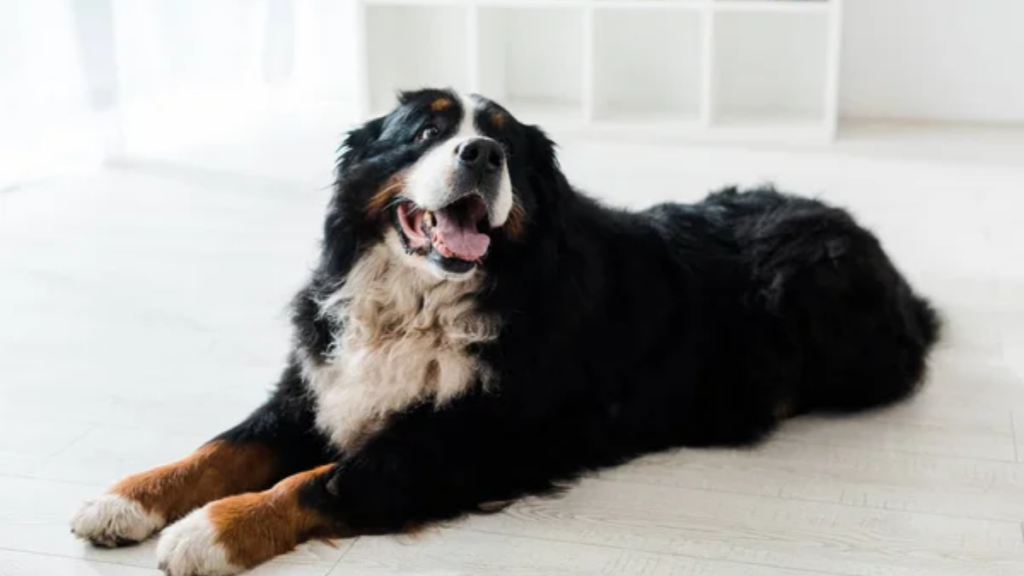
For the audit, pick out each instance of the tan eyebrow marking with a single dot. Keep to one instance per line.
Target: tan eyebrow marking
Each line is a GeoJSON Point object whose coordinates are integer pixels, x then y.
{"type": "Point", "coordinates": [440, 104]}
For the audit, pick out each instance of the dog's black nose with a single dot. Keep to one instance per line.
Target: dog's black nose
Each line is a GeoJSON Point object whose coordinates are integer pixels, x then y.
{"type": "Point", "coordinates": [480, 154]}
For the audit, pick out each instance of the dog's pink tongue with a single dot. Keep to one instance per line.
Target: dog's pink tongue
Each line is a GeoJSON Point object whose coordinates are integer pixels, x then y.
{"type": "Point", "coordinates": [459, 237]}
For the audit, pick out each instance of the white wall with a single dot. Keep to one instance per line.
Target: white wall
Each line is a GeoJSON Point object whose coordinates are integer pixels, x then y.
{"type": "Point", "coordinates": [56, 76]}
{"type": "Point", "coordinates": [934, 59]}
{"type": "Point", "coordinates": [326, 48]}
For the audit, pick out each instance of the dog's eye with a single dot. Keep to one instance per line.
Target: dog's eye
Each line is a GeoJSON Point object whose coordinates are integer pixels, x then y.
{"type": "Point", "coordinates": [428, 132]}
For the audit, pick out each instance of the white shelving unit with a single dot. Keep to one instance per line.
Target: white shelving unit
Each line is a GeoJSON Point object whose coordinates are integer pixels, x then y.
{"type": "Point", "coordinates": [730, 70]}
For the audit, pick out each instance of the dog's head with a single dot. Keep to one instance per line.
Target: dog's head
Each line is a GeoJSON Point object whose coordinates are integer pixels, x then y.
{"type": "Point", "coordinates": [444, 180]}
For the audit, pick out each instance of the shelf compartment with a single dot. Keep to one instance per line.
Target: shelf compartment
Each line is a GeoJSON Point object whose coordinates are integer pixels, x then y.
{"type": "Point", "coordinates": [647, 66]}
{"type": "Point", "coordinates": [777, 6]}
{"type": "Point", "coordinates": [655, 5]}
{"type": "Point", "coordinates": [770, 66]}
{"type": "Point", "coordinates": [396, 58]}
{"type": "Point", "coordinates": [705, 69]}
{"type": "Point", "coordinates": [531, 59]}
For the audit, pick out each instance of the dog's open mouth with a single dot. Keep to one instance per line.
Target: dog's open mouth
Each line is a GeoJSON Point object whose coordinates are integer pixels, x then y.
{"type": "Point", "coordinates": [454, 236]}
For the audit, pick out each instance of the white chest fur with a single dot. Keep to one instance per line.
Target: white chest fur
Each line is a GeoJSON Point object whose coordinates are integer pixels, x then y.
{"type": "Point", "coordinates": [404, 341]}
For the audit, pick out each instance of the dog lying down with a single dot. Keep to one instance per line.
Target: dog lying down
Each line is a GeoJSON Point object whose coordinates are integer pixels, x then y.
{"type": "Point", "coordinates": [477, 330]}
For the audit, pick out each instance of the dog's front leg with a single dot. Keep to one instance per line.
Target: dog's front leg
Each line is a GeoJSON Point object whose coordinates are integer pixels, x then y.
{"type": "Point", "coordinates": [385, 488]}
{"type": "Point", "coordinates": [139, 505]}
{"type": "Point", "coordinates": [275, 441]}
{"type": "Point", "coordinates": [236, 533]}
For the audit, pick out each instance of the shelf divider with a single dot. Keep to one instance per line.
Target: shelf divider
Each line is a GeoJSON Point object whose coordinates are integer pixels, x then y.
{"type": "Point", "coordinates": [707, 69]}
{"type": "Point", "coordinates": [364, 96]}
{"type": "Point", "coordinates": [473, 48]}
{"type": "Point", "coordinates": [832, 63]}
{"type": "Point", "coordinates": [587, 97]}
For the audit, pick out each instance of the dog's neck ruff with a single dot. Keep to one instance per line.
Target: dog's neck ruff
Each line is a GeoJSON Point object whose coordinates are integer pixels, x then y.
{"type": "Point", "coordinates": [402, 340]}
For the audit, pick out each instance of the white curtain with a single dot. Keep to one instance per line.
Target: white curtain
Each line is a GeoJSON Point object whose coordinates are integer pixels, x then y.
{"type": "Point", "coordinates": [86, 80]}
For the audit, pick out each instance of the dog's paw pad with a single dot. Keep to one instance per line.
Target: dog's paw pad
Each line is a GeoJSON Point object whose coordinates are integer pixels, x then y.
{"type": "Point", "coordinates": [112, 520]}
{"type": "Point", "coordinates": [189, 547]}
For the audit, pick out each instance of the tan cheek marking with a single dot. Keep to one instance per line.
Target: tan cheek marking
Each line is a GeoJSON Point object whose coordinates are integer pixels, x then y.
{"type": "Point", "coordinates": [440, 104]}
{"type": "Point", "coordinates": [253, 528]}
{"type": "Point", "coordinates": [379, 202]}
{"type": "Point", "coordinates": [216, 470]}
{"type": "Point", "coordinates": [498, 118]}
{"type": "Point", "coordinates": [515, 224]}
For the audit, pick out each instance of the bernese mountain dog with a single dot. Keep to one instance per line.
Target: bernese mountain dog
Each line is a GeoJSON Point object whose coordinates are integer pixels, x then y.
{"type": "Point", "coordinates": [477, 330]}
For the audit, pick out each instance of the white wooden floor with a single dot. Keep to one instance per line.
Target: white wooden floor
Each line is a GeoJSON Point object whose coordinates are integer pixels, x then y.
{"type": "Point", "coordinates": [142, 310]}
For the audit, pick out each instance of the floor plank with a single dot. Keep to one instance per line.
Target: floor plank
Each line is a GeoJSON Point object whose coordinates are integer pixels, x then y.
{"type": "Point", "coordinates": [859, 477]}
{"type": "Point", "coordinates": [765, 530]}
{"type": "Point", "coordinates": [25, 564]}
{"type": "Point", "coordinates": [458, 552]}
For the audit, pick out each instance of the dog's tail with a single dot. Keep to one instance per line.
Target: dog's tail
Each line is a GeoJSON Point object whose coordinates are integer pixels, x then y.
{"type": "Point", "coordinates": [927, 322]}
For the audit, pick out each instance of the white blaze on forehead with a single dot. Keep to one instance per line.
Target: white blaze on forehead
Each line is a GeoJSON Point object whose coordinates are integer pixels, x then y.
{"type": "Point", "coordinates": [428, 182]}
{"type": "Point", "coordinates": [503, 201]}
{"type": "Point", "coordinates": [467, 127]}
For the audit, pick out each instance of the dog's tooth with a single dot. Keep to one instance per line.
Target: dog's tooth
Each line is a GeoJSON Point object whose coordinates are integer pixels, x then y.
{"type": "Point", "coordinates": [429, 218]}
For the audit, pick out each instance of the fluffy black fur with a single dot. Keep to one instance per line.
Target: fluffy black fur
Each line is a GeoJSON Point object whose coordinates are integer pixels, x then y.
{"type": "Point", "coordinates": [622, 333]}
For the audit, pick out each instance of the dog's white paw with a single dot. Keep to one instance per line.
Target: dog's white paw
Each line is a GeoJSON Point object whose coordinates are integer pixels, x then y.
{"type": "Point", "coordinates": [189, 547]}
{"type": "Point", "coordinates": [112, 520]}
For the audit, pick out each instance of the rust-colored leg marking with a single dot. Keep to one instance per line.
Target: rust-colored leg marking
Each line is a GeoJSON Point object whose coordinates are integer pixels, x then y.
{"type": "Point", "coordinates": [253, 528]}
{"type": "Point", "coordinates": [216, 470]}
{"type": "Point", "coordinates": [140, 505]}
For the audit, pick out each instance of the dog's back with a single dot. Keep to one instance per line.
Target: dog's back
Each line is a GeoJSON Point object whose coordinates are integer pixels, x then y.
{"type": "Point", "coordinates": [851, 330]}
{"type": "Point", "coordinates": [861, 333]}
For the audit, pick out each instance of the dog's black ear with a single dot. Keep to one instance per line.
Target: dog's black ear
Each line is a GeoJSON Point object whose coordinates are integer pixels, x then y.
{"type": "Point", "coordinates": [354, 147]}
{"type": "Point", "coordinates": [406, 96]}
{"type": "Point", "coordinates": [343, 223]}
{"type": "Point", "coordinates": [545, 172]}
{"type": "Point", "coordinates": [541, 150]}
